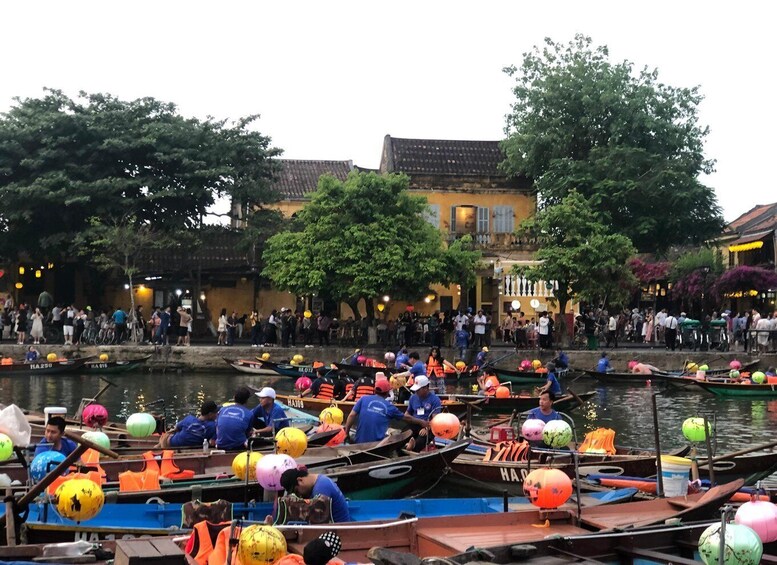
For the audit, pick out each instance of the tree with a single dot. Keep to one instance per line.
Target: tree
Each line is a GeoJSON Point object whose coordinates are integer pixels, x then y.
{"type": "Point", "coordinates": [587, 263]}
{"type": "Point", "coordinates": [744, 280]}
{"type": "Point", "coordinates": [359, 239]}
{"type": "Point", "coordinates": [694, 274]}
{"type": "Point", "coordinates": [63, 161]}
{"type": "Point", "coordinates": [630, 144]}
{"type": "Point", "coordinates": [462, 261]}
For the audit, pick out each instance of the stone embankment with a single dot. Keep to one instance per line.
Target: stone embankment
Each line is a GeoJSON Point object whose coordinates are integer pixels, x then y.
{"type": "Point", "coordinates": [209, 358]}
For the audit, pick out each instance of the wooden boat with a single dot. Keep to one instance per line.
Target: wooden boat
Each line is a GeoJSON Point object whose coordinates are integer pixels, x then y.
{"type": "Point", "coordinates": [315, 405]}
{"type": "Point", "coordinates": [525, 378]}
{"type": "Point", "coordinates": [622, 378]}
{"type": "Point", "coordinates": [739, 390]}
{"type": "Point", "coordinates": [520, 403]}
{"type": "Point", "coordinates": [43, 367]}
{"type": "Point", "coordinates": [359, 371]}
{"type": "Point", "coordinates": [289, 370]}
{"type": "Point", "coordinates": [251, 366]}
{"type": "Point", "coordinates": [116, 366]}
{"type": "Point", "coordinates": [161, 519]}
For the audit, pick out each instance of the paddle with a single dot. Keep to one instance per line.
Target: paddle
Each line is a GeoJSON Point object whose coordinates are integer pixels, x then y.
{"type": "Point", "coordinates": [759, 447]}
{"type": "Point", "coordinates": [495, 361]}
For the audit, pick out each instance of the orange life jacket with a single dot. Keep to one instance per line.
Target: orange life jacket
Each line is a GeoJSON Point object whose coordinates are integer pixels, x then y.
{"type": "Point", "coordinates": [91, 475]}
{"type": "Point", "coordinates": [435, 368]}
{"type": "Point", "coordinates": [601, 440]}
{"type": "Point", "coordinates": [133, 481]}
{"type": "Point", "coordinates": [150, 462]}
{"type": "Point", "coordinates": [512, 450]}
{"type": "Point", "coordinates": [364, 387]}
{"type": "Point", "coordinates": [219, 554]}
{"type": "Point", "coordinates": [327, 389]}
{"type": "Point", "coordinates": [170, 470]}
{"type": "Point", "coordinates": [202, 540]}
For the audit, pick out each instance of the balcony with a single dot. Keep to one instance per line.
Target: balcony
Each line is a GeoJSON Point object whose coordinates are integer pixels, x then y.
{"type": "Point", "coordinates": [498, 241]}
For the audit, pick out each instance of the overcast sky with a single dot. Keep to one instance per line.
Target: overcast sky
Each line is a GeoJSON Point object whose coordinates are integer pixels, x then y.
{"type": "Point", "coordinates": [331, 79]}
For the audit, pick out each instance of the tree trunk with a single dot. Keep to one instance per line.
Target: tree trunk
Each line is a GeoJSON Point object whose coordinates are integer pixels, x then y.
{"type": "Point", "coordinates": [353, 303]}
{"type": "Point", "coordinates": [369, 305]}
{"type": "Point", "coordinates": [563, 340]}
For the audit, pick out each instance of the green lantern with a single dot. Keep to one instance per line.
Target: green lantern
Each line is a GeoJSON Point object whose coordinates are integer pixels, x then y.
{"type": "Point", "coordinates": [759, 377]}
{"type": "Point", "coordinates": [742, 545]}
{"type": "Point", "coordinates": [98, 438]}
{"type": "Point", "coordinates": [6, 447]}
{"type": "Point", "coordinates": [693, 429]}
{"type": "Point", "coordinates": [141, 424]}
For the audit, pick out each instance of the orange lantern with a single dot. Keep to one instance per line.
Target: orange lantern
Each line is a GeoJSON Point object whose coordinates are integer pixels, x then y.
{"type": "Point", "coordinates": [502, 392]}
{"type": "Point", "coordinates": [445, 425]}
{"type": "Point", "coordinates": [547, 488]}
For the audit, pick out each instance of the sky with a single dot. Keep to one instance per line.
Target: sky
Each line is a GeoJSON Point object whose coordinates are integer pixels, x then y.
{"type": "Point", "coordinates": [331, 79]}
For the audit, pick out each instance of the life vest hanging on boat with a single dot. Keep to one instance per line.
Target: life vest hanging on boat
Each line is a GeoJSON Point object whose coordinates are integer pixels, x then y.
{"type": "Point", "coordinates": [134, 481]}
{"type": "Point", "coordinates": [203, 540]}
{"type": "Point", "coordinates": [512, 450]}
{"type": "Point", "coordinates": [170, 470]}
{"type": "Point", "coordinates": [601, 440]}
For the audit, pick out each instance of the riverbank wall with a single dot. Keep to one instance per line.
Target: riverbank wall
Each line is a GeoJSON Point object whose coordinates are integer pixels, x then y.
{"type": "Point", "coordinates": [210, 358]}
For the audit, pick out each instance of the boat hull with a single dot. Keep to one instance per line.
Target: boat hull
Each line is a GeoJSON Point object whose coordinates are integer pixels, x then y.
{"type": "Point", "coordinates": [112, 367]}
{"type": "Point", "coordinates": [526, 378]}
{"type": "Point", "coordinates": [316, 405]}
{"type": "Point", "coordinates": [519, 403]}
{"type": "Point", "coordinates": [43, 367]}
{"type": "Point", "coordinates": [739, 390]}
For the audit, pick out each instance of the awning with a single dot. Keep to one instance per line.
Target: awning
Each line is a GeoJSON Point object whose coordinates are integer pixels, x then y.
{"type": "Point", "coordinates": [749, 241]}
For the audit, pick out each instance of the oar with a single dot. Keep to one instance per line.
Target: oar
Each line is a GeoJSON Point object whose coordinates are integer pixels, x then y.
{"type": "Point", "coordinates": [504, 420]}
{"type": "Point", "coordinates": [495, 361]}
{"type": "Point", "coordinates": [705, 462]}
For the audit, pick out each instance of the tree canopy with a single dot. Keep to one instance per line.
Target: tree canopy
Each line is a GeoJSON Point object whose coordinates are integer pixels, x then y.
{"type": "Point", "coordinates": [630, 144]}
{"type": "Point", "coordinates": [588, 263]}
{"type": "Point", "coordinates": [359, 239]}
{"type": "Point", "coordinates": [64, 160]}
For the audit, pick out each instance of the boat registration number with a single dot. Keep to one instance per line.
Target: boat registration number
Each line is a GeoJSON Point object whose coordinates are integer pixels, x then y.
{"type": "Point", "coordinates": [95, 536]}
{"type": "Point", "coordinates": [510, 475]}
{"type": "Point", "coordinates": [41, 366]}
{"type": "Point", "coordinates": [295, 403]}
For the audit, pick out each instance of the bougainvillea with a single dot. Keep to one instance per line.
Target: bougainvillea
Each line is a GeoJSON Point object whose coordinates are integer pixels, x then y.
{"type": "Point", "coordinates": [744, 278]}
{"type": "Point", "coordinates": [649, 272]}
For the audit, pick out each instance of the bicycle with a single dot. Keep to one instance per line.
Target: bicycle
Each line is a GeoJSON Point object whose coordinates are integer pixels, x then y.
{"type": "Point", "coordinates": [90, 334]}
{"type": "Point", "coordinates": [52, 334]}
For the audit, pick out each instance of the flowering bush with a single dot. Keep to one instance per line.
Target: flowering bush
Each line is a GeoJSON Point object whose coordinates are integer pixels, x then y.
{"type": "Point", "coordinates": [744, 278]}
{"type": "Point", "coordinates": [649, 272]}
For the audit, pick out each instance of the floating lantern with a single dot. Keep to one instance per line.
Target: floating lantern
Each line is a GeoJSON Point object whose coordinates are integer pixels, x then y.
{"type": "Point", "coordinates": [733, 374]}
{"type": "Point", "coordinates": [461, 365]}
{"type": "Point", "coordinates": [141, 424]}
{"type": "Point", "coordinates": [547, 488]}
{"type": "Point", "coordinates": [742, 545]}
{"type": "Point", "coordinates": [265, 356]}
{"type": "Point", "coordinates": [43, 463]}
{"type": "Point", "coordinates": [103, 357]}
{"type": "Point", "coordinates": [361, 359]}
{"type": "Point", "coordinates": [445, 425]}
{"type": "Point", "coordinates": [532, 429]}
{"type": "Point", "coordinates": [693, 429]}
{"type": "Point", "coordinates": [98, 438]}
{"type": "Point", "coordinates": [298, 358]}
{"type": "Point", "coordinates": [735, 365]}
{"type": "Point", "coordinates": [692, 367]}
{"type": "Point", "coordinates": [389, 357]}
{"type": "Point", "coordinates": [704, 368]}
{"type": "Point", "coordinates": [51, 357]}
{"type": "Point", "coordinates": [526, 365]}
{"type": "Point", "coordinates": [303, 383]}
{"type": "Point", "coordinates": [557, 433]}
{"type": "Point", "coordinates": [271, 467]}
{"type": "Point", "coordinates": [291, 441]}
{"type": "Point", "coordinates": [246, 461]}
{"type": "Point", "coordinates": [536, 364]}
{"type": "Point", "coordinates": [761, 516]}
{"type": "Point", "coordinates": [261, 545]}
{"type": "Point", "coordinates": [759, 377]}
{"type": "Point", "coordinates": [95, 415]}
{"type": "Point", "coordinates": [79, 499]}
{"type": "Point", "coordinates": [502, 392]}
{"type": "Point", "coordinates": [6, 447]}
{"type": "Point", "coordinates": [331, 415]}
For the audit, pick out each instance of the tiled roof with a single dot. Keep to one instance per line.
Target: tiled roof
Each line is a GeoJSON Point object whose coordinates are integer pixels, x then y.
{"type": "Point", "coordinates": [218, 251]}
{"type": "Point", "coordinates": [760, 218]}
{"type": "Point", "coordinates": [297, 178]}
{"type": "Point", "coordinates": [441, 157]}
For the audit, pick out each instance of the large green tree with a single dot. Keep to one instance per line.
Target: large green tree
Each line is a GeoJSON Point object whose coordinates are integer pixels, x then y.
{"type": "Point", "coordinates": [632, 145]}
{"type": "Point", "coordinates": [360, 239]}
{"type": "Point", "coordinates": [65, 160]}
{"type": "Point", "coordinates": [587, 262]}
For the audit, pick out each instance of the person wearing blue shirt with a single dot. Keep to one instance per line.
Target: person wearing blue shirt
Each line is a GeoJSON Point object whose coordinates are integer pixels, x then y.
{"type": "Point", "coordinates": [417, 368]}
{"type": "Point", "coordinates": [480, 358]}
{"type": "Point", "coordinates": [193, 430]}
{"type": "Point", "coordinates": [31, 355]}
{"type": "Point", "coordinates": [603, 366]}
{"type": "Point", "coordinates": [307, 485]}
{"type": "Point", "coordinates": [402, 359]}
{"type": "Point", "coordinates": [461, 339]}
{"type": "Point", "coordinates": [551, 385]}
{"type": "Point", "coordinates": [53, 439]}
{"type": "Point", "coordinates": [373, 413]}
{"type": "Point", "coordinates": [120, 319]}
{"type": "Point", "coordinates": [234, 423]}
{"type": "Point", "coordinates": [268, 416]}
{"type": "Point", "coordinates": [424, 404]}
{"type": "Point", "coordinates": [561, 360]}
{"type": "Point", "coordinates": [545, 410]}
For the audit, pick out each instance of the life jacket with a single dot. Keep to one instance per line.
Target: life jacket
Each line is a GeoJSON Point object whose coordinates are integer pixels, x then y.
{"type": "Point", "coordinates": [435, 368]}
{"type": "Point", "coordinates": [601, 440]}
{"type": "Point", "coordinates": [133, 481]}
{"type": "Point", "coordinates": [338, 438]}
{"type": "Point", "coordinates": [170, 470]}
{"type": "Point", "coordinates": [292, 559]}
{"type": "Point", "coordinates": [327, 389]}
{"type": "Point", "coordinates": [512, 450]}
{"type": "Point", "coordinates": [364, 387]}
{"type": "Point", "coordinates": [150, 462]}
{"type": "Point", "coordinates": [293, 509]}
{"type": "Point", "coordinates": [219, 554]}
{"type": "Point", "coordinates": [202, 540]}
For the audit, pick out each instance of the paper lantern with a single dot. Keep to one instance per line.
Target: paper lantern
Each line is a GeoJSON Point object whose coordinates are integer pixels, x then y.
{"type": "Point", "coordinates": [303, 383]}
{"type": "Point", "coordinates": [79, 499]}
{"type": "Point", "coordinates": [759, 377]}
{"type": "Point", "coordinates": [44, 463]}
{"type": "Point", "coordinates": [557, 433]}
{"type": "Point", "coordinates": [271, 467]}
{"type": "Point", "coordinates": [51, 357]}
{"type": "Point", "coordinates": [243, 461]}
{"type": "Point", "coordinates": [502, 392]}
{"type": "Point", "coordinates": [536, 364]}
{"type": "Point", "coordinates": [6, 447]}
{"type": "Point", "coordinates": [389, 356]}
{"type": "Point", "coordinates": [291, 441]}
{"type": "Point", "coordinates": [361, 359]}
{"type": "Point", "coordinates": [693, 429]}
{"type": "Point", "coordinates": [461, 365]}
{"type": "Point", "coordinates": [298, 358]}
{"type": "Point", "coordinates": [735, 365]}
{"type": "Point", "coordinates": [103, 357]}
{"type": "Point", "coordinates": [98, 438]}
{"type": "Point", "coordinates": [733, 374]}
{"type": "Point", "coordinates": [532, 429]}
{"type": "Point", "coordinates": [692, 367]}
{"type": "Point", "coordinates": [704, 368]}
{"type": "Point", "coordinates": [331, 415]}
{"type": "Point", "coordinates": [445, 425]}
{"type": "Point", "coordinates": [265, 356]}
{"type": "Point", "coordinates": [307, 314]}
{"type": "Point", "coordinates": [141, 424]}
{"type": "Point", "coordinates": [95, 415]}
{"type": "Point", "coordinates": [526, 365]}
{"type": "Point", "coordinates": [547, 488]}
{"type": "Point", "coordinates": [632, 364]}
{"type": "Point", "coordinates": [761, 516]}
{"type": "Point", "coordinates": [261, 545]}
{"type": "Point", "coordinates": [338, 438]}
{"type": "Point", "coordinates": [742, 545]}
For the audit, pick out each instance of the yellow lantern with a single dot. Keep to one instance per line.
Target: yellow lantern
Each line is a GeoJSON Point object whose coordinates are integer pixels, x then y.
{"type": "Point", "coordinates": [381, 307]}
{"type": "Point", "coordinates": [38, 274]}
{"type": "Point", "coordinates": [21, 270]}
{"type": "Point", "coordinates": [19, 285]}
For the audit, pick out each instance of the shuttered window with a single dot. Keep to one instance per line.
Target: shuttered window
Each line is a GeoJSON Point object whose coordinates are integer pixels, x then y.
{"type": "Point", "coordinates": [503, 219]}
{"type": "Point", "coordinates": [432, 215]}
{"type": "Point", "coordinates": [483, 220]}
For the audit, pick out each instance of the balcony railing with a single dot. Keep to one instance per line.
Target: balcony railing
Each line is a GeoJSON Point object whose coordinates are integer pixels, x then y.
{"type": "Point", "coordinates": [492, 240]}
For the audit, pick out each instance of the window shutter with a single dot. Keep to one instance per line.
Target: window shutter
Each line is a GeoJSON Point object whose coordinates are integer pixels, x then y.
{"type": "Point", "coordinates": [453, 219]}
{"type": "Point", "coordinates": [483, 220]}
{"type": "Point", "coordinates": [432, 215]}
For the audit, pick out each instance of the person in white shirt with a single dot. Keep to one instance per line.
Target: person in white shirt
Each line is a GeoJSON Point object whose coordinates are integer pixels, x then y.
{"type": "Point", "coordinates": [612, 331]}
{"type": "Point", "coordinates": [544, 330]}
{"type": "Point", "coordinates": [480, 329]}
{"type": "Point", "coordinates": [670, 331]}
{"type": "Point", "coordinates": [660, 319]}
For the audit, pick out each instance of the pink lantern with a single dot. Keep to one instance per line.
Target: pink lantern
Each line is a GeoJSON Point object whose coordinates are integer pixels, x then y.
{"type": "Point", "coordinates": [303, 383]}
{"type": "Point", "coordinates": [361, 359]}
{"type": "Point", "coordinates": [95, 416]}
{"type": "Point", "coordinates": [271, 467]}
{"type": "Point", "coordinates": [761, 516]}
{"type": "Point", "coordinates": [735, 365]}
{"type": "Point", "coordinates": [526, 365]}
{"type": "Point", "coordinates": [532, 429]}
{"type": "Point", "coordinates": [633, 364]}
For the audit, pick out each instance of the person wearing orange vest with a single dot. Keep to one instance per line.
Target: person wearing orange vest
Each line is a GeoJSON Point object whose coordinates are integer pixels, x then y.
{"type": "Point", "coordinates": [322, 387]}
{"type": "Point", "coordinates": [435, 368]}
{"type": "Point", "coordinates": [363, 387]}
